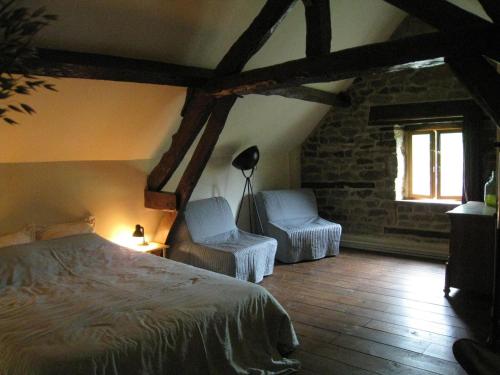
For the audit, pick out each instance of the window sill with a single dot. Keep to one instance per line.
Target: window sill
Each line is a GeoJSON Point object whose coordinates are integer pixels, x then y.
{"type": "Point", "coordinates": [431, 201]}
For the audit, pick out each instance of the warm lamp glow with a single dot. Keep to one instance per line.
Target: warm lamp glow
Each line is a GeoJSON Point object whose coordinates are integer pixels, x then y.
{"type": "Point", "coordinates": [122, 235]}
{"type": "Point", "coordinates": [143, 248]}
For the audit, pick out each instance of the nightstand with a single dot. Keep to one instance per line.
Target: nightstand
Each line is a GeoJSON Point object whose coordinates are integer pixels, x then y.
{"type": "Point", "coordinates": [155, 248]}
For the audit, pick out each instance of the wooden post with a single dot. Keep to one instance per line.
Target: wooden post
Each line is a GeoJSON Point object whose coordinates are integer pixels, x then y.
{"type": "Point", "coordinates": [318, 26]}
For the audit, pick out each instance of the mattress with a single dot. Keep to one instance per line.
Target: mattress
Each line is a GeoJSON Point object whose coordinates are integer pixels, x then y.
{"type": "Point", "coordinates": [83, 305]}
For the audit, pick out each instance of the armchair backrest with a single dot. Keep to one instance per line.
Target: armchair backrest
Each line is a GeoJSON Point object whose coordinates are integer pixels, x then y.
{"type": "Point", "coordinates": [206, 218]}
{"type": "Point", "coordinates": [280, 205]}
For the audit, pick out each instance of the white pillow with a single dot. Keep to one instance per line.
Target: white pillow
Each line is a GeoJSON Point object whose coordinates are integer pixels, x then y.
{"type": "Point", "coordinates": [25, 235]}
{"type": "Point", "coordinates": [66, 229]}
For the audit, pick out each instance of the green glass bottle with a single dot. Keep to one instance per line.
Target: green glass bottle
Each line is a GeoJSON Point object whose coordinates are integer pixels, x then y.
{"type": "Point", "coordinates": [490, 191]}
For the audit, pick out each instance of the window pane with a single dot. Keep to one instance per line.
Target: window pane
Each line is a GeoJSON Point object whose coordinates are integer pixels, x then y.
{"type": "Point", "coordinates": [451, 164]}
{"type": "Point", "coordinates": [421, 161]}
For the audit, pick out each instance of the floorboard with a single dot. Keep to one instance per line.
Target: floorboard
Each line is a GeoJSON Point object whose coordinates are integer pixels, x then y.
{"type": "Point", "coordinates": [366, 313]}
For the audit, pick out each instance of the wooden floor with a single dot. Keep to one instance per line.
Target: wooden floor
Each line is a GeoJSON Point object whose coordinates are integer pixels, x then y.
{"type": "Point", "coordinates": [365, 313]}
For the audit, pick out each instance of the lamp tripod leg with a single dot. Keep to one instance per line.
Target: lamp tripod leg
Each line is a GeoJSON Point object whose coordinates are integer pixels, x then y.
{"type": "Point", "coordinates": [241, 202]}
{"type": "Point", "coordinates": [256, 209]}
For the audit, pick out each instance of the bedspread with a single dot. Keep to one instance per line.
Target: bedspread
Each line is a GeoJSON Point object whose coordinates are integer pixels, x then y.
{"type": "Point", "coordinates": [83, 305]}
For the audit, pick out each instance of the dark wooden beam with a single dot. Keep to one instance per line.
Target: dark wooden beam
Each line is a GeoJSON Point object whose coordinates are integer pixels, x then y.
{"type": "Point", "coordinates": [472, 69]}
{"type": "Point", "coordinates": [160, 200]}
{"type": "Point", "coordinates": [355, 61]}
{"type": "Point", "coordinates": [492, 8]}
{"type": "Point", "coordinates": [254, 37]}
{"type": "Point", "coordinates": [439, 13]}
{"type": "Point", "coordinates": [310, 94]}
{"type": "Point", "coordinates": [203, 150]}
{"type": "Point", "coordinates": [250, 41]}
{"type": "Point", "coordinates": [68, 64]}
{"type": "Point", "coordinates": [191, 124]}
{"type": "Point", "coordinates": [198, 108]}
{"type": "Point", "coordinates": [427, 112]}
{"type": "Point", "coordinates": [482, 80]}
{"type": "Point", "coordinates": [318, 26]}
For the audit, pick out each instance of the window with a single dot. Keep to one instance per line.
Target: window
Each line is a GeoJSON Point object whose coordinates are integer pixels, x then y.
{"type": "Point", "coordinates": [434, 163]}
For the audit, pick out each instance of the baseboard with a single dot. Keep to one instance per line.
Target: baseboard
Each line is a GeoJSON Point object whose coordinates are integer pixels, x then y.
{"type": "Point", "coordinates": [395, 246]}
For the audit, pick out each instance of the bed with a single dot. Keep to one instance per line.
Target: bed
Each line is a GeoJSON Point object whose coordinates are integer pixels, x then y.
{"type": "Point", "coordinates": [83, 305]}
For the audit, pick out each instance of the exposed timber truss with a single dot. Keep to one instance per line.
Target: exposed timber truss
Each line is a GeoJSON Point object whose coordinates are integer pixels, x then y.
{"type": "Point", "coordinates": [466, 42]}
{"type": "Point", "coordinates": [463, 41]}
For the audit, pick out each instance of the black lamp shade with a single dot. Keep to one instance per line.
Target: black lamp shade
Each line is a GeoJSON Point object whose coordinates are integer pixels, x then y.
{"type": "Point", "coordinates": [139, 231]}
{"type": "Point", "coordinates": [247, 159]}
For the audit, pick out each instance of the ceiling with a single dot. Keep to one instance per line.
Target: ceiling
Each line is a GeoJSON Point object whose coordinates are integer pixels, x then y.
{"type": "Point", "coordinates": [100, 120]}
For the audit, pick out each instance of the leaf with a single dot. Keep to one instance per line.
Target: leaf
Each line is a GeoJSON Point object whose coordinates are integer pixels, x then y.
{"type": "Point", "coordinates": [9, 121]}
{"type": "Point", "coordinates": [28, 109]}
{"type": "Point", "coordinates": [18, 27]}
{"type": "Point", "coordinates": [38, 12]}
{"type": "Point", "coordinates": [50, 86]}
{"type": "Point", "coordinates": [15, 108]}
{"type": "Point", "coordinates": [23, 90]}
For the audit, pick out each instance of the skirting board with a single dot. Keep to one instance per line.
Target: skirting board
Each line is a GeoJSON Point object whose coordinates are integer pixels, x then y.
{"type": "Point", "coordinates": [395, 246]}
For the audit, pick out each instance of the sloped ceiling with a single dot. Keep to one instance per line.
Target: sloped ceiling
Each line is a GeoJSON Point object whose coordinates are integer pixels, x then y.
{"type": "Point", "coordinates": [99, 120]}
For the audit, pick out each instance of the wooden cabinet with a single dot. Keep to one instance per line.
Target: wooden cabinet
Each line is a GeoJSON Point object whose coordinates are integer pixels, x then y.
{"type": "Point", "coordinates": [472, 246]}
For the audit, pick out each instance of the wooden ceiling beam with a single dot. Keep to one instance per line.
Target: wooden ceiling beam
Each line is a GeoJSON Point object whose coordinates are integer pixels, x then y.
{"type": "Point", "coordinates": [439, 13]}
{"type": "Point", "coordinates": [492, 8]}
{"type": "Point", "coordinates": [482, 81]}
{"type": "Point", "coordinates": [310, 94]}
{"type": "Point", "coordinates": [414, 113]}
{"type": "Point", "coordinates": [194, 118]}
{"type": "Point", "coordinates": [199, 106]}
{"type": "Point", "coordinates": [255, 36]}
{"type": "Point", "coordinates": [203, 150]}
{"type": "Point", "coordinates": [318, 27]}
{"type": "Point", "coordinates": [68, 64]}
{"type": "Point", "coordinates": [355, 61]}
{"type": "Point", "coordinates": [250, 41]}
{"type": "Point", "coordinates": [477, 75]}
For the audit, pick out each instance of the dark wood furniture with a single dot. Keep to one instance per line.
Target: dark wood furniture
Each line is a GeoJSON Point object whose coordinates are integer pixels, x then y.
{"type": "Point", "coordinates": [472, 248]}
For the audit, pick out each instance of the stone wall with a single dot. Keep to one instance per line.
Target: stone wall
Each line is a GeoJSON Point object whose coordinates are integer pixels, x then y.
{"type": "Point", "coordinates": [353, 166]}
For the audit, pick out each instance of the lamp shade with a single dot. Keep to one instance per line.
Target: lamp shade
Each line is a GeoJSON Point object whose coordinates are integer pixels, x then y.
{"type": "Point", "coordinates": [139, 231]}
{"type": "Point", "coordinates": [247, 159]}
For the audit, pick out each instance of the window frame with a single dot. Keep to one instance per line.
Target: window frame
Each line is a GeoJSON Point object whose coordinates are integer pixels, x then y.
{"type": "Point", "coordinates": [435, 160]}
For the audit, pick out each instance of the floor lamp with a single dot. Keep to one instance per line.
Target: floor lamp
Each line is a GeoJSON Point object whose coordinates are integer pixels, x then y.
{"type": "Point", "coordinates": [246, 161]}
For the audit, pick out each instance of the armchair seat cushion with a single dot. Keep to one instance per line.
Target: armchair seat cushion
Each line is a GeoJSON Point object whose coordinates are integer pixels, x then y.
{"type": "Point", "coordinates": [243, 255]}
